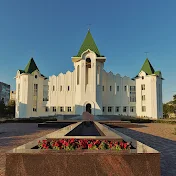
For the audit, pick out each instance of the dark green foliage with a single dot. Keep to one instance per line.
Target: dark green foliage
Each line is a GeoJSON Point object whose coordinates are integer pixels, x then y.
{"type": "Point", "coordinates": [165, 121]}
{"type": "Point", "coordinates": [2, 108]}
{"type": "Point", "coordinates": [137, 120]}
{"type": "Point", "coordinates": [174, 99]}
{"type": "Point", "coordinates": [28, 120]}
{"type": "Point", "coordinates": [167, 109]}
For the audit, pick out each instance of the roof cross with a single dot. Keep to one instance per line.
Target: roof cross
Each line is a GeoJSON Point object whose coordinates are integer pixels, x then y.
{"type": "Point", "coordinates": [89, 26]}
{"type": "Point", "coordinates": [146, 53]}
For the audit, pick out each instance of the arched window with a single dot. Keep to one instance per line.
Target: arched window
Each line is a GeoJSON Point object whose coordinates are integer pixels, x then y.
{"type": "Point", "coordinates": [98, 75]}
{"type": "Point", "coordinates": [78, 75]}
{"type": "Point", "coordinates": [88, 70]}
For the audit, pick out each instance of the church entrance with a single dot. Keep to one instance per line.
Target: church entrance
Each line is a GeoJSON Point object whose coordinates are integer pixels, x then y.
{"type": "Point", "coordinates": [88, 108]}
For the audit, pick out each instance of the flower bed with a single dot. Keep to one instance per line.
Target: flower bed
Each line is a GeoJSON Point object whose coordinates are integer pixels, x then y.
{"type": "Point", "coordinates": [79, 144]}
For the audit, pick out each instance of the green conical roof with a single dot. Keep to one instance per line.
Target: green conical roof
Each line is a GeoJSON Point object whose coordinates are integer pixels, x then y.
{"type": "Point", "coordinates": [88, 43]}
{"type": "Point", "coordinates": [31, 66]}
{"type": "Point", "coordinates": [147, 67]}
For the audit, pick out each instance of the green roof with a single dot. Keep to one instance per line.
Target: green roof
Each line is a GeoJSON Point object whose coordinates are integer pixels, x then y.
{"type": "Point", "coordinates": [158, 73]}
{"type": "Point", "coordinates": [147, 67]}
{"type": "Point", "coordinates": [31, 66]}
{"type": "Point", "coordinates": [88, 43]}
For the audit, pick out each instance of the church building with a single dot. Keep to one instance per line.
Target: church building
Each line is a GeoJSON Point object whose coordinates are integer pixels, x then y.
{"type": "Point", "coordinates": [88, 88]}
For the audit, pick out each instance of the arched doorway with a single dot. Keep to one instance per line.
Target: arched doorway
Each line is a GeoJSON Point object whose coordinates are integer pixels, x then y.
{"type": "Point", "coordinates": [88, 108]}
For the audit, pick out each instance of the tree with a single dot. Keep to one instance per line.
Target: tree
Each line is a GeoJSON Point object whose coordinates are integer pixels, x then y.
{"type": "Point", "coordinates": [10, 109]}
{"type": "Point", "coordinates": [2, 108]}
{"type": "Point", "coordinates": [167, 109]}
{"type": "Point", "coordinates": [174, 99]}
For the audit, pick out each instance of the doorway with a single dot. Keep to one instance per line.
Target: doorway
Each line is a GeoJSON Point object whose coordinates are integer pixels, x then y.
{"type": "Point", "coordinates": [88, 108]}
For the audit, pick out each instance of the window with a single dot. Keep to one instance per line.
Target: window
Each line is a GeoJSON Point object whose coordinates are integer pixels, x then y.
{"type": "Point", "coordinates": [88, 71]}
{"type": "Point", "coordinates": [143, 97]}
{"type": "Point", "coordinates": [103, 109]}
{"type": "Point", "coordinates": [125, 88]}
{"type": "Point", "coordinates": [69, 109]}
{"type": "Point", "coordinates": [132, 93]}
{"type": "Point", "coordinates": [103, 88]}
{"type": "Point", "coordinates": [61, 109]}
{"type": "Point", "coordinates": [60, 88]}
{"type": "Point", "coordinates": [68, 88]}
{"type": "Point", "coordinates": [133, 88]}
{"type": "Point", "coordinates": [117, 88]}
{"type": "Point", "coordinates": [78, 75]}
{"type": "Point", "coordinates": [131, 109]}
{"type": "Point", "coordinates": [143, 86]}
{"type": "Point", "coordinates": [132, 99]}
{"type": "Point", "coordinates": [110, 88]}
{"type": "Point", "coordinates": [35, 76]}
{"type": "Point", "coordinates": [53, 88]}
{"type": "Point", "coordinates": [54, 109]}
{"type": "Point", "coordinates": [143, 108]}
{"type": "Point", "coordinates": [45, 93]}
{"type": "Point", "coordinates": [142, 77]}
{"type": "Point", "coordinates": [124, 109]}
{"type": "Point", "coordinates": [46, 109]}
{"type": "Point", "coordinates": [109, 109]}
{"type": "Point", "coordinates": [35, 97]}
{"type": "Point", "coordinates": [35, 109]}
{"type": "Point", "coordinates": [117, 109]}
{"type": "Point", "coordinates": [18, 92]}
{"type": "Point", "coordinates": [98, 75]}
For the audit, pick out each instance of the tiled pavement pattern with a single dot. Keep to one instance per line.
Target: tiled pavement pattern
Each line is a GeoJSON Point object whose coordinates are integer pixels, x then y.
{"type": "Point", "coordinates": [165, 146]}
{"type": "Point", "coordinates": [16, 134]}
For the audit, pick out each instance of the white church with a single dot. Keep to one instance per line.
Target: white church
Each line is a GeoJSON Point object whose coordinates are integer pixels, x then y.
{"type": "Point", "coordinates": [88, 88]}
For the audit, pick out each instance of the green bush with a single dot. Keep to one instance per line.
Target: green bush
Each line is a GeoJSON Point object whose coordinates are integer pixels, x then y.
{"type": "Point", "coordinates": [165, 121]}
{"type": "Point", "coordinates": [137, 120]}
{"type": "Point", "coordinates": [28, 120]}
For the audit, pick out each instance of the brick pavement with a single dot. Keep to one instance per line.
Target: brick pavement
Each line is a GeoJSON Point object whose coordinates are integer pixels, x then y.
{"type": "Point", "coordinates": [165, 146]}
{"type": "Point", "coordinates": [16, 134]}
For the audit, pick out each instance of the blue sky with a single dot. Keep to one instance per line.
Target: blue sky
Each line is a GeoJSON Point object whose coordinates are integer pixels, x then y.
{"type": "Point", "coordinates": [52, 32]}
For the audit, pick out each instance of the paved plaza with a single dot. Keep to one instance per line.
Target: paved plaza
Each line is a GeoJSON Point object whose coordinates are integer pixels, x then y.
{"type": "Point", "coordinates": [158, 136]}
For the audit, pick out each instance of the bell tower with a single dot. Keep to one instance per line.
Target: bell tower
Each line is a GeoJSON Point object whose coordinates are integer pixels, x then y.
{"type": "Point", "coordinates": [149, 92]}
{"type": "Point", "coordinates": [88, 65]}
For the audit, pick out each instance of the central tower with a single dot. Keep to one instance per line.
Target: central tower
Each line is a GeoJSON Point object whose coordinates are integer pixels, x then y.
{"type": "Point", "coordinates": [88, 65]}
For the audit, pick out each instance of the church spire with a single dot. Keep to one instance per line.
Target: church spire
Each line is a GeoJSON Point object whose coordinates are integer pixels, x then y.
{"type": "Point", "coordinates": [31, 66]}
{"type": "Point", "coordinates": [88, 43]}
{"type": "Point", "coordinates": [147, 67]}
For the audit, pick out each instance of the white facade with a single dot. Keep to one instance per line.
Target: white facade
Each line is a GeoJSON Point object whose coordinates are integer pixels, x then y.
{"type": "Point", "coordinates": [88, 88]}
{"type": "Point", "coordinates": [13, 95]}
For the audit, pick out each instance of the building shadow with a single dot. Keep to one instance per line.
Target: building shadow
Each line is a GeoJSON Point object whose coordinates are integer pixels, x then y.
{"type": "Point", "coordinates": [166, 147]}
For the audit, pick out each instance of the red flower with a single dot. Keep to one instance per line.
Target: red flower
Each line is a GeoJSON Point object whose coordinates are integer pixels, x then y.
{"type": "Point", "coordinates": [121, 144]}
{"type": "Point", "coordinates": [125, 145]}
{"type": "Point", "coordinates": [90, 145]}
